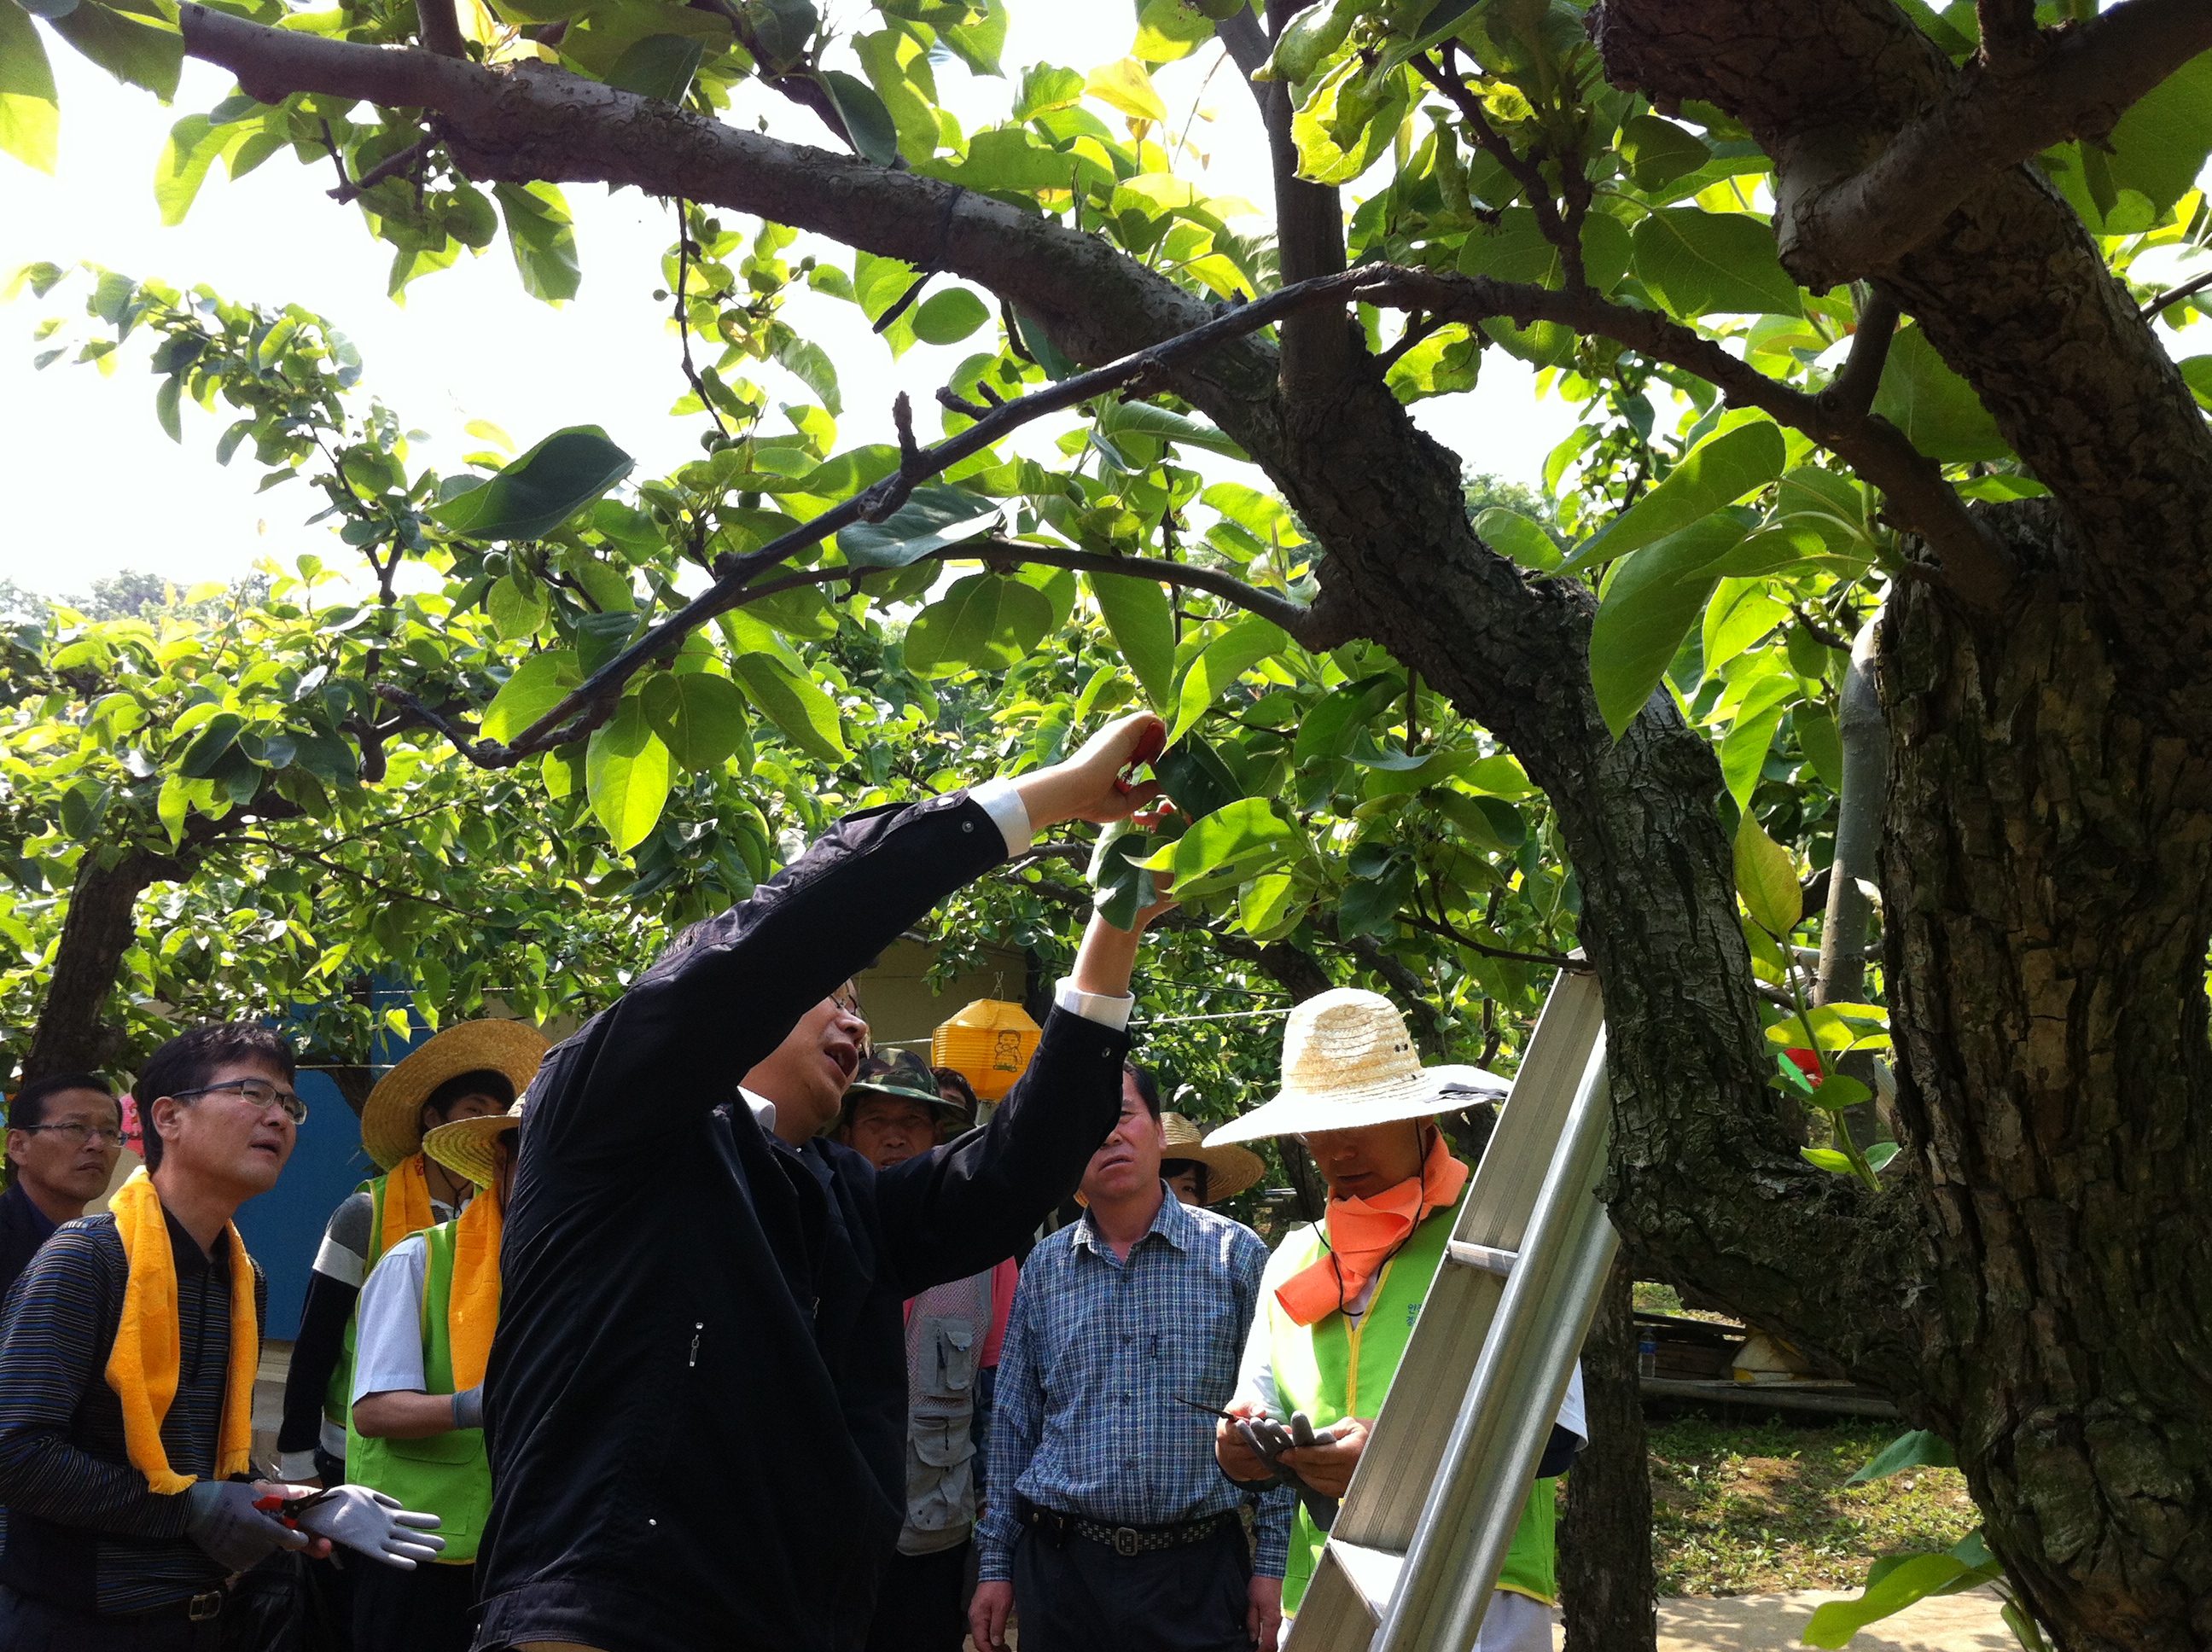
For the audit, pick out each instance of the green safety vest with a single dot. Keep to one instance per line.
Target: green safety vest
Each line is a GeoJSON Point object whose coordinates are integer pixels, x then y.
{"type": "Point", "coordinates": [337, 1396]}
{"type": "Point", "coordinates": [1335, 1369]}
{"type": "Point", "coordinates": [448, 1474]}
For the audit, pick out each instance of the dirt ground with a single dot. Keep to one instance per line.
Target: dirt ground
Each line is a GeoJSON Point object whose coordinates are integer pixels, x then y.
{"type": "Point", "coordinates": [1768, 1622]}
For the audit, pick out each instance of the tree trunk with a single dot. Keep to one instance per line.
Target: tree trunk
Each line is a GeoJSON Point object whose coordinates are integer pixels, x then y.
{"type": "Point", "coordinates": [1865, 738]}
{"type": "Point", "coordinates": [1606, 1587]}
{"type": "Point", "coordinates": [2048, 891]}
{"type": "Point", "coordinates": [70, 1037]}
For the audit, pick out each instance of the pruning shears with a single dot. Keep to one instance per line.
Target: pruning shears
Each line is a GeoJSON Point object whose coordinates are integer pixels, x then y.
{"type": "Point", "coordinates": [1269, 1440]}
{"type": "Point", "coordinates": [1149, 745]}
{"type": "Point", "coordinates": [288, 1510]}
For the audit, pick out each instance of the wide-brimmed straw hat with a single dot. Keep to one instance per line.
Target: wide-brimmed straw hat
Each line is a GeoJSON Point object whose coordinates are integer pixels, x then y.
{"type": "Point", "coordinates": [1228, 1170]}
{"type": "Point", "coordinates": [464, 1145]}
{"type": "Point", "coordinates": [1349, 1062]}
{"type": "Point", "coordinates": [392, 1118]}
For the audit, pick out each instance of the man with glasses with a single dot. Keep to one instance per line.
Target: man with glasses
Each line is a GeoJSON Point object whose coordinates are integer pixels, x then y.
{"type": "Point", "coordinates": [127, 1357]}
{"type": "Point", "coordinates": [64, 1134]}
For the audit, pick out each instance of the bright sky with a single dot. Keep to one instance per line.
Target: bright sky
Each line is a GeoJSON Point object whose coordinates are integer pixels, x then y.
{"type": "Point", "coordinates": [94, 485]}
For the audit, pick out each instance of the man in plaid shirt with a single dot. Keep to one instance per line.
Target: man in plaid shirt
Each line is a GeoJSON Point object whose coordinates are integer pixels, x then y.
{"type": "Point", "coordinates": [1110, 1523]}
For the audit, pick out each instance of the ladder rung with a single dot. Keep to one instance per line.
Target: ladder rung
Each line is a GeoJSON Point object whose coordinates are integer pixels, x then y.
{"type": "Point", "coordinates": [1373, 1572]}
{"type": "Point", "coordinates": [1488, 1258]}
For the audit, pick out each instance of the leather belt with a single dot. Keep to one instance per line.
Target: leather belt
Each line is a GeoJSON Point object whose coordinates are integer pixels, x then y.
{"type": "Point", "coordinates": [1125, 1540]}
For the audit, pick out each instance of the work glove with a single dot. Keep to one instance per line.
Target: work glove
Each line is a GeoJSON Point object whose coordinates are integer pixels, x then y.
{"type": "Point", "coordinates": [222, 1519]}
{"type": "Point", "coordinates": [373, 1524]}
{"type": "Point", "coordinates": [1270, 1439]}
{"type": "Point", "coordinates": [468, 1407]}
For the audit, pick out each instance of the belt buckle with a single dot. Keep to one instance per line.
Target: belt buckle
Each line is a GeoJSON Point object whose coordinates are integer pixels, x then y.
{"type": "Point", "coordinates": [205, 1608]}
{"type": "Point", "coordinates": [1127, 1540]}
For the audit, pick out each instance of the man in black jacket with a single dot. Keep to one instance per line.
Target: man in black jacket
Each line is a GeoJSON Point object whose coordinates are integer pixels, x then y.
{"type": "Point", "coordinates": [696, 1400]}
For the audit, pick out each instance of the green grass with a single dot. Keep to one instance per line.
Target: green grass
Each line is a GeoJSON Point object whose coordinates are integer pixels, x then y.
{"type": "Point", "coordinates": [1744, 1507]}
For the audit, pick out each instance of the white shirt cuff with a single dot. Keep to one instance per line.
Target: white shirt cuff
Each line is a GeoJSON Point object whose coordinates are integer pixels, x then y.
{"type": "Point", "coordinates": [999, 799]}
{"type": "Point", "coordinates": [1103, 1008]}
{"type": "Point", "coordinates": [296, 1466]}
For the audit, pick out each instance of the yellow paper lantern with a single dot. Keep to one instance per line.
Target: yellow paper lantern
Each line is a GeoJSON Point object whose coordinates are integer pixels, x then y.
{"type": "Point", "coordinates": [989, 1044]}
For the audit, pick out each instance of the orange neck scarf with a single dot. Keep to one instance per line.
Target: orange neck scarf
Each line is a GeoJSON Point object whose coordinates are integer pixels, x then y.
{"type": "Point", "coordinates": [1363, 1234]}
{"type": "Point", "coordinates": [406, 1203]}
{"type": "Point", "coordinates": [472, 1301]}
{"type": "Point", "coordinates": [143, 1366]}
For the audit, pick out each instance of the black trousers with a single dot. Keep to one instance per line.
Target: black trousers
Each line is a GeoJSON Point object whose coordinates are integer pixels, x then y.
{"type": "Point", "coordinates": [1086, 1598]}
{"type": "Point", "coordinates": [918, 1608]}
{"type": "Point", "coordinates": [29, 1625]}
{"type": "Point", "coordinates": [430, 1609]}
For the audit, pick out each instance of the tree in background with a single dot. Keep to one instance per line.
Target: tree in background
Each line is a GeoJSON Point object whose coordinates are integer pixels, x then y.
{"type": "Point", "coordinates": [1867, 307]}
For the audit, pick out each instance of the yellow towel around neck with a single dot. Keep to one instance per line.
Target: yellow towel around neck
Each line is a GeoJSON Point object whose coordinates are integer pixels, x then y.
{"type": "Point", "coordinates": [406, 1203]}
{"type": "Point", "coordinates": [473, 1304]}
{"type": "Point", "coordinates": [142, 1368]}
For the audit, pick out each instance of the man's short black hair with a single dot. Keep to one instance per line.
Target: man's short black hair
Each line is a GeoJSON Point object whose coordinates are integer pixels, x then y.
{"type": "Point", "coordinates": [1148, 1087]}
{"type": "Point", "coordinates": [190, 1059]}
{"type": "Point", "coordinates": [483, 1081]}
{"type": "Point", "coordinates": [28, 1109]}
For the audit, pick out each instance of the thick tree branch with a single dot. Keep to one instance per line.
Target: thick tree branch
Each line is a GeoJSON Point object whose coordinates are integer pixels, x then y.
{"type": "Point", "coordinates": [439, 26]}
{"type": "Point", "coordinates": [1851, 392]}
{"type": "Point", "coordinates": [1567, 237]}
{"type": "Point", "coordinates": [1319, 348]}
{"type": "Point", "coordinates": [2012, 104]}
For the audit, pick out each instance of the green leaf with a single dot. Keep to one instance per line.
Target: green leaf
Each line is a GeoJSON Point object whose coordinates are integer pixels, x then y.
{"type": "Point", "coordinates": [209, 746]}
{"type": "Point", "coordinates": [1196, 779]}
{"type": "Point", "coordinates": [536, 685]}
{"type": "Point", "coordinates": [537, 492]}
{"type": "Point", "coordinates": [810, 365]}
{"type": "Point", "coordinates": [1936, 409]}
{"type": "Point", "coordinates": [658, 66]}
{"type": "Point", "coordinates": [30, 109]}
{"type": "Point", "coordinates": [1823, 746]}
{"type": "Point", "coordinates": [515, 613]}
{"type": "Point", "coordinates": [193, 148]}
{"type": "Point", "coordinates": [126, 48]}
{"type": "Point", "coordinates": [1138, 613]}
{"type": "Point", "coordinates": [790, 699]}
{"type": "Point", "coordinates": [1718, 471]}
{"type": "Point", "coordinates": [1045, 88]}
{"type": "Point", "coordinates": [1878, 1155]}
{"type": "Point", "coordinates": [1512, 534]}
{"type": "Point", "coordinates": [1657, 151]}
{"type": "Point", "coordinates": [1128, 85]}
{"type": "Point", "coordinates": [866, 115]}
{"type": "Point", "coordinates": [1328, 730]}
{"type": "Point", "coordinates": [700, 717]}
{"type": "Point", "coordinates": [931, 519]}
{"type": "Point", "coordinates": [1915, 1579]}
{"type": "Point", "coordinates": [1270, 905]}
{"type": "Point", "coordinates": [1743, 751]}
{"type": "Point", "coordinates": [1766, 878]}
{"type": "Point", "coordinates": [1119, 880]}
{"type": "Point", "coordinates": [1827, 1159]}
{"type": "Point", "coordinates": [1652, 599]}
{"type": "Point", "coordinates": [1227, 658]}
{"type": "Point", "coordinates": [543, 237]}
{"type": "Point", "coordinates": [1701, 262]}
{"type": "Point", "coordinates": [1243, 838]}
{"type": "Point", "coordinates": [984, 620]}
{"type": "Point", "coordinates": [1919, 1448]}
{"type": "Point", "coordinates": [948, 317]}
{"type": "Point", "coordinates": [627, 776]}
{"type": "Point", "coordinates": [1144, 419]}
{"type": "Point", "coordinates": [1517, 250]}
{"type": "Point", "coordinates": [2159, 144]}
{"type": "Point", "coordinates": [1168, 30]}
{"type": "Point", "coordinates": [1369, 905]}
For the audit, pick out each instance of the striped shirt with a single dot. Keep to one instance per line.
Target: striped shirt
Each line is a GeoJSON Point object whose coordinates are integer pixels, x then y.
{"type": "Point", "coordinates": [1100, 1349]}
{"type": "Point", "coordinates": [84, 1532]}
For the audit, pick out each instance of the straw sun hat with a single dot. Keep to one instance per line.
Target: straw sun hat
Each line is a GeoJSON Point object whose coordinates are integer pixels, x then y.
{"type": "Point", "coordinates": [1349, 1062]}
{"type": "Point", "coordinates": [392, 1118]}
{"type": "Point", "coordinates": [1228, 1170]}
{"type": "Point", "coordinates": [464, 1145]}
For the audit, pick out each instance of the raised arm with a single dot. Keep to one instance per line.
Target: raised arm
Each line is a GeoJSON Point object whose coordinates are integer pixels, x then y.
{"type": "Point", "coordinates": [727, 990]}
{"type": "Point", "coordinates": [965, 1206]}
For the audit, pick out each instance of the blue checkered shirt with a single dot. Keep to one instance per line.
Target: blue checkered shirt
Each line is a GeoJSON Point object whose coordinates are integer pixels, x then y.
{"type": "Point", "coordinates": [1098, 1351]}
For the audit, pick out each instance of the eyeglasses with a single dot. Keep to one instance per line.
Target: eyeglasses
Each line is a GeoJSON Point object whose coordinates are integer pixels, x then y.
{"type": "Point", "coordinates": [255, 1093]}
{"type": "Point", "coordinates": [106, 1134]}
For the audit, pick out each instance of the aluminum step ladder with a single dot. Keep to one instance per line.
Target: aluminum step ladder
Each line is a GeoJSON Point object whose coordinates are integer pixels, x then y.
{"type": "Point", "coordinates": [1431, 1512]}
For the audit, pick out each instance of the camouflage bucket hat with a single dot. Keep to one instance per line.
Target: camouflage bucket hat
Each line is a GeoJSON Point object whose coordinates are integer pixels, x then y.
{"type": "Point", "coordinates": [904, 1075]}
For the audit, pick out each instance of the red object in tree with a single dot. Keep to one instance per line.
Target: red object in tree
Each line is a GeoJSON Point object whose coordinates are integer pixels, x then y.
{"type": "Point", "coordinates": [1809, 1063]}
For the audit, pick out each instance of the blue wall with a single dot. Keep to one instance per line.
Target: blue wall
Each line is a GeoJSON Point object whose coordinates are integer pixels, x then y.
{"type": "Point", "coordinates": [284, 1226]}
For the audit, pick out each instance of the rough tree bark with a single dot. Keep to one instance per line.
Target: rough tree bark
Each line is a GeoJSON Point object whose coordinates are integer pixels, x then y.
{"type": "Point", "coordinates": [1608, 1591]}
{"type": "Point", "coordinates": [71, 1036]}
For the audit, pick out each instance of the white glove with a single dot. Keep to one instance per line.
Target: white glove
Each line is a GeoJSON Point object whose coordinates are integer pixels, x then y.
{"type": "Point", "coordinates": [374, 1525]}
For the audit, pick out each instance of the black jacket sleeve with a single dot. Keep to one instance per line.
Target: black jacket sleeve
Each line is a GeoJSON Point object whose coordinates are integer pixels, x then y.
{"type": "Point", "coordinates": [315, 1355]}
{"type": "Point", "coordinates": [972, 1203]}
{"type": "Point", "coordinates": [729, 988]}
